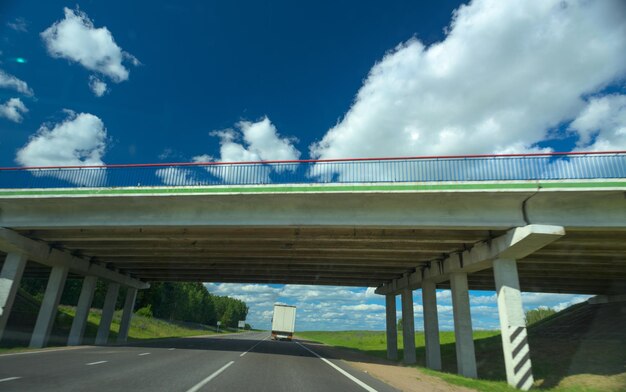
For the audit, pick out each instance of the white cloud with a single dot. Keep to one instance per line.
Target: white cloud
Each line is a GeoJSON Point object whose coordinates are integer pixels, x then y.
{"type": "Point", "coordinates": [13, 110]}
{"type": "Point", "coordinates": [11, 82]}
{"type": "Point", "coordinates": [77, 39]}
{"type": "Point", "coordinates": [506, 73]}
{"type": "Point", "coordinates": [18, 24]}
{"type": "Point", "coordinates": [79, 140]}
{"type": "Point", "coordinates": [250, 142]}
{"type": "Point", "coordinates": [604, 118]}
{"type": "Point", "coordinates": [318, 307]}
{"type": "Point", "coordinates": [97, 86]}
{"type": "Point", "coordinates": [261, 142]}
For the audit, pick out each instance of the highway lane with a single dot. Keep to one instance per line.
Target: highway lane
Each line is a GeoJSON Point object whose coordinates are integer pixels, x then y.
{"type": "Point", "coordinates": [239, 362]}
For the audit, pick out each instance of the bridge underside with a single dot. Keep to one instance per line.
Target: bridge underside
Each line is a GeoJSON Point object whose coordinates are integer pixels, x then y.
{"type": "Point", "coordinates": [582, 261]}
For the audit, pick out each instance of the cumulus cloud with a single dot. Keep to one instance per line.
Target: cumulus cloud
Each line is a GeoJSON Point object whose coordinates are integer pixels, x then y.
{"type": "Point", "coordinates": [79, 140]}
{"type": "Point", "coordinates": [97, 86]}
{"type": "Point", "coordinates": [75, 38]}
{"type": "Point", "coordinates": [261, 142]}
{"type": "Point", "coordinates": [13, 110]}
{"type": "Point", "coordinates": [601, 125]}
{"type": "Point", "coordinates": [11, 82]}
{"type": "Point", "coordinates": [247, 142]}
{"type": "Point", "coordinates": [506, 73]}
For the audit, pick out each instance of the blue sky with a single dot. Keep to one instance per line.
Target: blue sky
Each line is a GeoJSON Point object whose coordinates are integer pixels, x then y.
{"type": "Point", "coordinates": [93, 82]}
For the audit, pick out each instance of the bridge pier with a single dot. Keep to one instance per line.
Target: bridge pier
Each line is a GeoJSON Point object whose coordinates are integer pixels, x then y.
{"type": "Point", "coordinates": [431, 325]}
{"type": "Point", "coordinates": [10, 277]}
{"type": "Point", "coordinates": [107, 313]}
{"type": "Point", "coordinates": [49, 307]}
{"type": "Point", "coordinates": [512, 324]}
{"type": "Point", "coordinates": [127, 314]}
{"type": "Point", "coordinates": [392, 327]}
{"type": "Point", "coordinates": [82, 311]}
{"type": "Point", "coordinates": [465, 355]}
{"type": "Point", "coordinates": [408, 327]}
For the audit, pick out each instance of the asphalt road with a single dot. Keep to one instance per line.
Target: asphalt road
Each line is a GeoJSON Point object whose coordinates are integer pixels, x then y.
{"type": "Point", "coordinates": [241, 362]}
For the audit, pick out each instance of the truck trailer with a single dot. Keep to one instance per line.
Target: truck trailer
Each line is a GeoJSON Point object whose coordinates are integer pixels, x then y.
{"type": "Point", "coordinates": [283, 322]}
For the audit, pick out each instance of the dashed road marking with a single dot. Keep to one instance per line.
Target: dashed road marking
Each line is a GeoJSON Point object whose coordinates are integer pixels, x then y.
{"type": "Point", "coordinates": [142, 354]}
{"type": "Point", "coordinates": [250, 349]}
{"type": "Point", "coordinates": [95, 363]}
{"type": "Point", "coordinates": [10, 379]}
{"type": "Point", "coordinates": [202, 383]}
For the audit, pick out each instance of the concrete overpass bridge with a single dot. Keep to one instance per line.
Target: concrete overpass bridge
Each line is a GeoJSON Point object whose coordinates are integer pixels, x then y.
{"type": "Point", "coordinates": [539, 222]}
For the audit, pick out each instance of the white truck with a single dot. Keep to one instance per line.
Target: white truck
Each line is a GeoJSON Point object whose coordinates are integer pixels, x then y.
{"type": "Point", "coordinates": [283, 322]}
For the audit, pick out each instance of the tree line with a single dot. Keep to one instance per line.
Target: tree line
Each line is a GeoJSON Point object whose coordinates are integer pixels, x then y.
{"type": "Point", "coordinates": [180, 301]}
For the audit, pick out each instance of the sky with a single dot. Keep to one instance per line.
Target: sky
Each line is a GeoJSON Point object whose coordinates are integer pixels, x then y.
{"type": "Point", "coordinates": [91, 82]}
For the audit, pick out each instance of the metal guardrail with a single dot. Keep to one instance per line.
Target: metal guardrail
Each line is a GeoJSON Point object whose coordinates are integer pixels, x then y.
{"type": "Point", "coordinates": [553, 166]}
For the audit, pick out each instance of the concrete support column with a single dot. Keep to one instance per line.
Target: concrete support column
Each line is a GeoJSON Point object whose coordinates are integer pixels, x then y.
{"type": "Point", "coordinates": [465, 355]}
{"type": "Point", "coordinates": [431, 325]}
{"type": "Point", "coordinates": [408, 326]}
{"type": "Point", "coordinates": [49, 307]}
{"type": "Point", "coordinates": [392, 327]}
{"type": "Point", "coordinates": [10, 277]}
{"type": "Point", "coordinates": [512, 325]}
{"type": "Point", "coordinates": [129, 304]}
{"type": "Point", "coordinates": [82, 311]}
{"type": "Point", "coordinates": [107, 313]}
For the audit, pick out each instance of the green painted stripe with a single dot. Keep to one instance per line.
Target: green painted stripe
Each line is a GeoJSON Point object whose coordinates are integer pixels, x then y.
{"type": "Point", "coordinates": [316, 188]}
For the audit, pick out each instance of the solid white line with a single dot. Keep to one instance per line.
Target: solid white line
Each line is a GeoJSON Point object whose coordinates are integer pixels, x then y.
{"type": "Point", "coordinates": [211, 377]}
{"type": "Point", "coordinates": [250, 349]}
{"type": "Point", "coordinates": [95, 363]}
{"type": "Point", "coordinates": [144, 354]}
{"type": "Point", "coordinates": [46, 350]}
{"type": "Point", "coordinates": [340, 370]}
{"type": "Point", "coordinates": [9, 379]}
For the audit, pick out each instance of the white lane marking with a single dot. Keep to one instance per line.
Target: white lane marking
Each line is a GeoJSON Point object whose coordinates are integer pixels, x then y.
{"type": "Point", "coordinates": [95, 363]}
{"type": "Point", "coordinates": [250, 349]}
{"type": "Point", "coordinates": [340, 370]}
{"type": "Point", "coordinates": [10, 379]}
{"type": "Point", "coordinates": [144, 354]}
{"type": "Point", "coordinates": [211, 377]}
{"type": "Point", "coordinates": [171, 349]}
{"type": "Point", "coordinates": [51, 350]}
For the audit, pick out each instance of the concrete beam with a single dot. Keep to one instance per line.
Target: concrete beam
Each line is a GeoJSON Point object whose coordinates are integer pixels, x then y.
{"type": "Point", "coordinates": [82, 311]}
{"type": "Point", "coordinates": [107, 313]}
{"type": "Point", "coordinates": [10, 241]}
{"type": "Point", "coordinates": [517, 243]}
{"type": "Point", "coordinates": [10, 277]}
{"type": "Point", "coordinates": [49, 307]}
{"type": "Point", "coordinates": [392, 327]}
{"type": "Point", "coordinates": [464, 340]}
{"type": "Point", "coordinates": [127, 314]}
{"type": "Point", "coordinates": [431, 325]}
{"type": "Point", "coordinates": [408, 327]}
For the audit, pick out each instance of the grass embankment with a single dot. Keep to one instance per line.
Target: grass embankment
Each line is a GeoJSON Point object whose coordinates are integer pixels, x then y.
{"type": "Point", "coordinates": [141, 328]}
{"type": "Point", "coordinates": [557, 366]}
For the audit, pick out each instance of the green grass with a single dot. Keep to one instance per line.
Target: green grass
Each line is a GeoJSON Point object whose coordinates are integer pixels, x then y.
{"type": "Point", "coordinates": [141, 328]}
{"type": "Point", "coordinates": [600, 366]}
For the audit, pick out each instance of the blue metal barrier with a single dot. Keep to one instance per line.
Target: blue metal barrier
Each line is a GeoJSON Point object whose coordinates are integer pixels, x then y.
{"type": "Point", "coordinates": [559, 166]}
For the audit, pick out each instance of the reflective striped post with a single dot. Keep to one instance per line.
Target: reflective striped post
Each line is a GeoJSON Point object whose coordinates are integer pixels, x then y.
{"type": "Point", "coordinates": [512, 325]}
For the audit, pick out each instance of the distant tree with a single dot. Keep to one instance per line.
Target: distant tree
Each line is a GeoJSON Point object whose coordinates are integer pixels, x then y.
{"type": "Point", "coordinates": [534, 315]}
{"type": "Point", "coordinates": [400, 324]}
